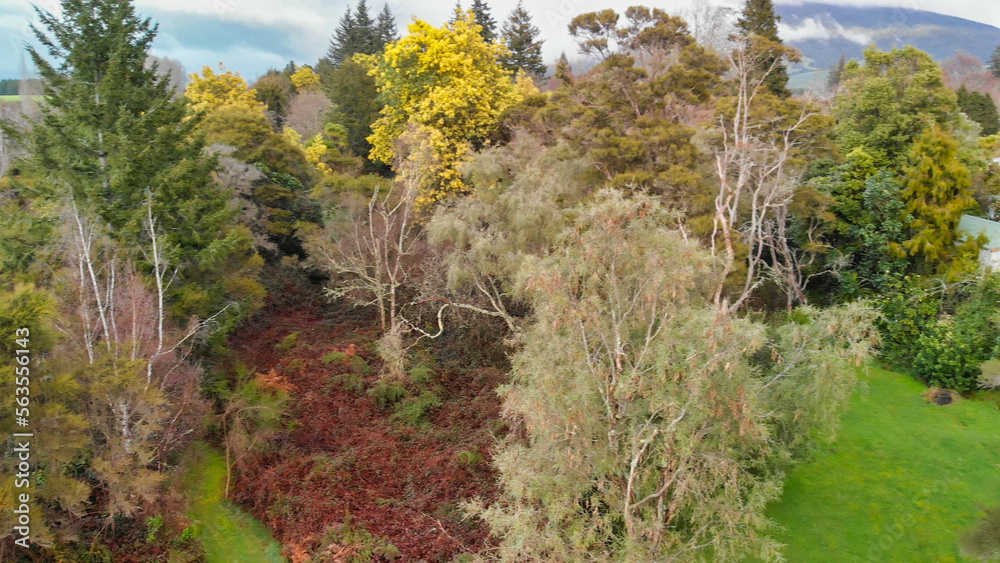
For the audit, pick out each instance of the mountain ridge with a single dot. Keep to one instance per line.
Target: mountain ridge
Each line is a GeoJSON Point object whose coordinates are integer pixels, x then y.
{"type": "Point", "coordinates": [824, 32]}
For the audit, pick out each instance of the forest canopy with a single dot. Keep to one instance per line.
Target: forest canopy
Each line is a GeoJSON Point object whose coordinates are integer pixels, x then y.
{"type": "Point", "coordinates": [434, 281]}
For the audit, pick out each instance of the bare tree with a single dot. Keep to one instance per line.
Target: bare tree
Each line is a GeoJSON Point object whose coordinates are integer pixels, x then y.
{"type": "Point", "coordinates": [758, 179]}
{"type": "Point", "coordinates": [963, 69]}
{"type": "Point", "coordinates": [173, 70]}
{"type": "Point", "coordinates": [712, 26]}
{"type": "Point", "coordinates": [307, 113]}
{"type": "Point", "coordinates": [143, 401]}
{"type": "Point", "coordinates": [372, 251]}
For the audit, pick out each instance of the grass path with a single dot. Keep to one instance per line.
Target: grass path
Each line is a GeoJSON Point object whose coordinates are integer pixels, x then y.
{"type": "Point", "coordinates": [228, 534]}
{"type": "Point", "coordinates": [902, 482]}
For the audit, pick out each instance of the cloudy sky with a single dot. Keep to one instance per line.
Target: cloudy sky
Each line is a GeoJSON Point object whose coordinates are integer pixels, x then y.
{"type": "Point", "coordinates": [251, 36]}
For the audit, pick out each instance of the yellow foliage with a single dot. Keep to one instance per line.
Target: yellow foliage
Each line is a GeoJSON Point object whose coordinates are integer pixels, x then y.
{"type": "Point", "coordinates": [524, 85]}
{"type": "Point", "coordinates": [293, 136]}
{"type": "Point", "coordinates": [447, 84]}
{"type": "Point", "coordinates": [304, 78]}
{"type": "Point", "coordinates": [991, 143]}
{"type": "Point", "coordinates": [211, 91]}
{"type": "Point", "coordinates": [315, 152]}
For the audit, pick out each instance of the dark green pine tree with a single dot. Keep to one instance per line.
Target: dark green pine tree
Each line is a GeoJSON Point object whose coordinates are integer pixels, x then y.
{"type": "Point", "coordinates": [365, 35]}
{"type": "Point", "coordinates": [521, 38]}
{"type": "Point", "coordinates": [114, 137]}
{"type": "Point", "coordinates": [994, 62]}
{"type": "Point", "coordinates": [355, 106]}
{"type": "Point", "coordinates": [385, 26]}
{"type": "Point", "coordinates": [484, 19]}
{"type": "Point", "coordinates": [347, 83]}
{"type": "Point", "coordinates": [342, 42]}
{"type": "Point", "coordinates": [356, 33]}
{"type": "Point", "coordinates": [759, 19]}
{"type": "Point", "coordinates": [980, 108]}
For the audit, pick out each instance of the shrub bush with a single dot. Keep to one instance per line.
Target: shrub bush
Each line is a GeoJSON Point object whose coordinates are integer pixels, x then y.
{"type": "Point", "coordinates": [386, 394]}
{"type": "Point", "coordinates": [363, 545]}
{"type": "Point", "coordinates": [950, 352]}
{"type": "Point", "coordinates": [288, 342]}
{"type": "Point", "coordinates": [468, 459]}
{"type": "Point", "coordinates": [421, 375]}
{"type": "Point", "coordinates": [414, 410]}
{"type": "Point", "coordinates": [333, 357]}
{"type": "Point", "coordinates": [907, 312]}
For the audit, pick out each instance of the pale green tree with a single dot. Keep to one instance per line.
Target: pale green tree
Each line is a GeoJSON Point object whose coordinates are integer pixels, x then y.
{"type": "Point", "coordinates": [646, 428]}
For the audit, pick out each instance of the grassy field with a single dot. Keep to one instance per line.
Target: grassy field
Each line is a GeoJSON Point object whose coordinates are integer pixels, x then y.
{"type": "Point", "coordinates": [228, 534]}
{"type": "Point", "coordinates": [15, 99]}
{"type": "Point", "coordinates": [902, 482]}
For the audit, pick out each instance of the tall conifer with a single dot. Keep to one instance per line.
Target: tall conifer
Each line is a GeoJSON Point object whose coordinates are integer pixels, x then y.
{"type": "Point", "coordinates": [385, 27]}
{"type": "Point", "coordinates": [343, 39]}
{"type": "Point", "coordinates": [359, 33]}
{"type": "Point", "coordinates": [994, 62]}
{"type": "Point", "coordinates": [759, 19]}
{"type": "Point", "coordinates": [485, 19]}
{"type": "Point", "coordinates": [938, 190]}
{"type": "Point", "coordinates": [113, 136]}
{"type": "Point", "coordinates": [521, 37]}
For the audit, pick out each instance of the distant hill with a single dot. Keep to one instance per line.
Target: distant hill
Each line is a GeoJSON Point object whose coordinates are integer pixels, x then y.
{"type": "Point", "coordinates": [824, 32]}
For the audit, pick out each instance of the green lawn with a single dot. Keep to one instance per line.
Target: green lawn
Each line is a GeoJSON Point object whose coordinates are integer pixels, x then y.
{"type": "Point", "coordinates": [902, 482]}
{"type": "Point", "coordinates": [228, 534]}
{"type": "Point", "coordinates": [16, 98]}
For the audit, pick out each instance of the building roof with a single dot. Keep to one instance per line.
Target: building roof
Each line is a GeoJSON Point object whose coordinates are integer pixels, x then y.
{"type": "Point", "coordinates": [975, 226]}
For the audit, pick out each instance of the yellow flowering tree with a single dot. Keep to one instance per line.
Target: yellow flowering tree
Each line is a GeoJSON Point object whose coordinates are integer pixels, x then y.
{"type": "Point", "coordinates": [210, 91]}
{"type": "Point", "coordinates": [315, 151]}
{"type": "Point", "coordinates": [447, 84]}
{"type": "Point", "coordinates": [305, 78]}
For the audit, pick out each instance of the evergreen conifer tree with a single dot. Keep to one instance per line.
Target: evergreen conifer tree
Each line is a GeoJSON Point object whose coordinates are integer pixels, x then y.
{"type": "Point", "coordinates": [980, 108]}
{"type": "Point", "coordinates": [485, 19]}
{"type": "Point", "coordinates": [994, 62]}
{"type": "Point", "coordinates": [759, 19]}
{"type": "Point", "coordinates": [365, 34]}
{"type": "Point", "coordinates": [359, 33]}
{"type": "Point", "coordinates": [343, 39]}
{"type": "Point", "coordinates": [521, 38]}
{"type": "Point", "coordinates": [563, 71]}
{"type": "Point", "coordinates": [347, 83]}
{"type": "Point", "coordinates": [937, 192]}
{"type": "Point", "coordinates": [385, 26]}
{"type": "Point", "coordinates": [114, 138]}
{"type": "Point", "coordinates": [111, 131]}
{"type": "Point", "coordinates": [833, 79]}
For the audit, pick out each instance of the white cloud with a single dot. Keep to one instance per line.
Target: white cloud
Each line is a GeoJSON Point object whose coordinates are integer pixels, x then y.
{"type": "Point", "coordinates": [235, 58]}
{"type": "Point", "coordinates": [812, 28]}
{"type": "Point", "coordinates": [305, 20]}
{"type": "Point", "coordinates": [983, 11]}
{"type": "Point", "coordinates": [262, 13]}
